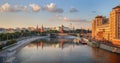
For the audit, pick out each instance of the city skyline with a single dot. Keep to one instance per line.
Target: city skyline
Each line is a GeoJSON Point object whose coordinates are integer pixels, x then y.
{"type": "Point", "coordinates": [50, 13]}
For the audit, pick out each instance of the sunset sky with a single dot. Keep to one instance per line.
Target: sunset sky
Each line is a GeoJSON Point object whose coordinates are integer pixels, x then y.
{"type": "Point", "coordinates": [50, 13]}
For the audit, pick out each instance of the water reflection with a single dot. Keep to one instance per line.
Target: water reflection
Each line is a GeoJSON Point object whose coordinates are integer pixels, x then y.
{"type": "Point", "coordinates": [56, 43]}
{"type": "Point", "coordinates": [62, 51]}
{"type": "Point", "coordinates": [101, 56]}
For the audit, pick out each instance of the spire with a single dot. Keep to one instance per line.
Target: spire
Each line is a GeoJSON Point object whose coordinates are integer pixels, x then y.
{"type": "Point", "coordinates": [61, 30]}
{"type": "Point", "coordinates": [42, 29]}
{"type": "Point", "coordinates": [37, 27]}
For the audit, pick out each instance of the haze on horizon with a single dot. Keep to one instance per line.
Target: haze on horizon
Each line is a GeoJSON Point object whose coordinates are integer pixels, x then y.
{"type": "Point", "coordinates": [50, 13]}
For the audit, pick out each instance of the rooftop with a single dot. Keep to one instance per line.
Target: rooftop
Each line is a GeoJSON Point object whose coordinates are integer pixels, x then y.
{"type": "Point", "coordinates": [117, 7]}
{"type": "Point", "coordinates": [98, 16]}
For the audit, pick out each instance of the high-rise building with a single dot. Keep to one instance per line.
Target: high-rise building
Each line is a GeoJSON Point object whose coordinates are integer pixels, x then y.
{"type": "Point", "coordinates": [107, 29]}
{"type": "Point", "coordinates": [100, 28]}
{"type": "Point", "coordinates": [115, 22]}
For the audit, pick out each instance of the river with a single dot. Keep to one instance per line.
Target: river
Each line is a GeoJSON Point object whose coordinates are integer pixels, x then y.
{"type": "Point", "coordinates": [63, 51]}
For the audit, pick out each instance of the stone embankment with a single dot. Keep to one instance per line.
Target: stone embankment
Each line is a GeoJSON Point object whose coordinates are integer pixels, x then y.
{"type": "Point", "coordinates": [108, 47]}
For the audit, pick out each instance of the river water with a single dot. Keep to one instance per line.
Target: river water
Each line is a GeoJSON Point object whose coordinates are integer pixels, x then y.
{"type": "Point", "coordinates": [63, 51]}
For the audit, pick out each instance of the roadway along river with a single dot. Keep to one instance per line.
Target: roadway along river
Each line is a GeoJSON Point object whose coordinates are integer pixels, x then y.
{"type": "Point", "coordinates": [63, 51]}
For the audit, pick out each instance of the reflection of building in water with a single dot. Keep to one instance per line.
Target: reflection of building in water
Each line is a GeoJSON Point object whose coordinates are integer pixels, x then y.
{"type": "Point", "coordinates": [106, 57]}
{"type": "Point", "coordinates": [107, 29]}
{"type": "Point", "coordinates": [61, 43]}
{"type": "Point", "coordinates": [41, 44]}
{"type": "Point", "coordinates": [36, 44]}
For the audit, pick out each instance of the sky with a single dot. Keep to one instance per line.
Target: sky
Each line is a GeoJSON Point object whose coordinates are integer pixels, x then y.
{"type": "Point", "coordinates": [52, 13]}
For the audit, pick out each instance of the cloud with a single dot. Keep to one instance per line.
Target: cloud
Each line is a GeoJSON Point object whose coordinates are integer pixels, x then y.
{"type": "Point", "coordinates": [35, 7]}
{"type": "Point", "coordinates": [74, 20]}
{"type": "Point", "coordinates": [59, 16]}
{"type": "Point", "coordinates": [8, 8]}
{"type": "Point", "coordinates": [66, 19]}
{"type": "Point", "coordinates": [52, 8]}
{"type": "Point", "coordinates": [5, 7]}
{"type": "Point", "coordinates": [17, 8]}
{"type": "Point", "coordinates": [73, 10]}
{"type": "Point", "coordinates": [24, 8]}
{"type": "Point", "coordinates": [1, 10]}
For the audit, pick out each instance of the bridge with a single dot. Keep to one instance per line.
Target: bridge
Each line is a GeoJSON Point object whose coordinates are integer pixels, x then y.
{"type": "Point", "coordinates": [66, 34]}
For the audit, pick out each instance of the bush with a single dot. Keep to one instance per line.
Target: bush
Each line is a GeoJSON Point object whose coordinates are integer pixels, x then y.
{"type": "Point", "coordinates": [10, 42]}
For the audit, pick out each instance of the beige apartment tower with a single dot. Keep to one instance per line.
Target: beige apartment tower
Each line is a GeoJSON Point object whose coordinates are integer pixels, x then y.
{"type": "Point", "coordinates": [107, 28]}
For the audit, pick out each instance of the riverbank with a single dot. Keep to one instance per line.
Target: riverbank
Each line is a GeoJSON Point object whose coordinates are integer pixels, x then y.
{"type": "Point", "coordinates": [106, 46]}
{"type": "Point", "coordinates": [9, 43]}
{"type": "Point", "coordinates": [24, 42]}
{"type": "Point", "coordinates": [21, 43]}
{"type": "Point", "coordinates": [9, 53]}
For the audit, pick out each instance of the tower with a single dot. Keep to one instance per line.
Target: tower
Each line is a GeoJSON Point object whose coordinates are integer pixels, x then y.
{"type": "Point", "coordinates": [115, 23]}
{"type": "Point", "coordinates": [61, 29]}
{"type": "Point", "coordinates": [42, 29]}
{"type": "Point", "coordinates": [37, 28]}
{"type": "Point", "coordinates": [99, 20]}
{"type": "Point", "coordinates": [93, 28]}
